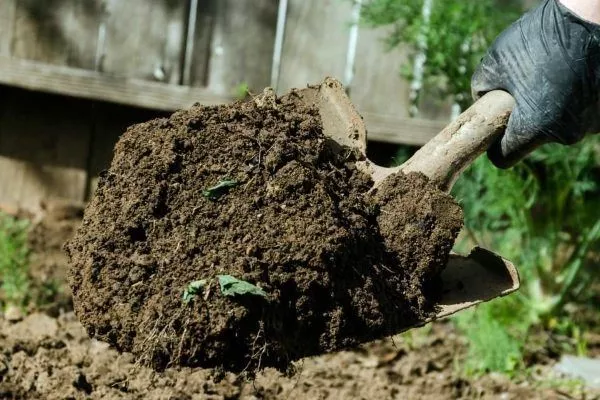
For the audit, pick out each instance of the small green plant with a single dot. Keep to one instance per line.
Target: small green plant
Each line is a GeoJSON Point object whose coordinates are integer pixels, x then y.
{"type": "Point", "coordinates": [231, 286]}
{"type": "Point", "coordinates": [14, 261]}
{"type": "Point", "coordinates": [496, 337]}
{"type": "Point", "coordinates": [241, 91]}
{"type": "Point", "coordinates": [194, 288]}
{"type": "Point", "coordinates": [220, 189]}
{"type": "Point", "coordinates": [416, 338]}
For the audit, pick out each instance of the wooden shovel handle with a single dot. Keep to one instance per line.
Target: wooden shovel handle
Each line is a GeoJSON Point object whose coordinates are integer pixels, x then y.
{"type": "Point", "coordinates": [446, 156]}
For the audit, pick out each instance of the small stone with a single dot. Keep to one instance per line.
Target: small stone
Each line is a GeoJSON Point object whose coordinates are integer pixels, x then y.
{"type": "Point", "coordinates": [250, 250]}
{"type": "Point", "coordinates": [13, 314]}
{"type": "Point", "coordinates": [4, 365]}
{"type": "Point", "coordinates": [34, 328]}
{"type": "Point", "coordinates": [586, 369]}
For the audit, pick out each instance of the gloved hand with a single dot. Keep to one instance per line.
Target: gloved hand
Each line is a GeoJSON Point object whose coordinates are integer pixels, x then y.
{"type": "Point", "coordinates": [549, 60]}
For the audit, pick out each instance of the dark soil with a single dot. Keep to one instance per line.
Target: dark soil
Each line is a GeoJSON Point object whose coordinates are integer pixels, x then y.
{"type": "Point", "coordinates": [339, 267]}
{"type": "Point", "coordinates": [45, 357]}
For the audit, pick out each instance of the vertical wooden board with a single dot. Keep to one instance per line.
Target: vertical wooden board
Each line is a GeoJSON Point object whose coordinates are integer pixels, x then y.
{"type": "Point", "coordinates": [242, 44]}
{"type": "Point", "coordinates": [201, 49]}
{"type": "Point", "coordinates": [7, 18]}
{"type": "Point", "coordinates": [59, 32]}
{"type": "Point", "coordinates": [378, 86]}
{"type": "Point", "coordinates": [145, 39]}
{"type": "Point", "coordinates": [44, 143]}
{"type": "Point", "coordinates": [316, 42]}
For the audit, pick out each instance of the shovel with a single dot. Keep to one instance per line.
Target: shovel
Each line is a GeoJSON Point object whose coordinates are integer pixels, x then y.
{"type": "Point", "coordinates": [467, 280]}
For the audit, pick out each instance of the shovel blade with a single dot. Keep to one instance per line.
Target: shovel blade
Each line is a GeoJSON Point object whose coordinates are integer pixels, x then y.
{"type": "Point", "coordinates": [471, 280]}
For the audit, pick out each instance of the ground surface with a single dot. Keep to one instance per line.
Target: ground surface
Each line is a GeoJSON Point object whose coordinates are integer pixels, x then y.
{"type": "Point", "coordinates": [51, 357]}
{"type": "Point", "coordinates": [337, 266]}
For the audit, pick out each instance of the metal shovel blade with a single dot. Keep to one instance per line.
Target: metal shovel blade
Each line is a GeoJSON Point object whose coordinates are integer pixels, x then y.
{"type": "Point", "coordinates": [467, 280]}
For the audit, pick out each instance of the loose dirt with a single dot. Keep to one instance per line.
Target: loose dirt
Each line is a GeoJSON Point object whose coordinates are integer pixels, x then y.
{"type": "Point", "coordinates": [338, 267]}
{"type": "Point", "coordinates": [52, 357]}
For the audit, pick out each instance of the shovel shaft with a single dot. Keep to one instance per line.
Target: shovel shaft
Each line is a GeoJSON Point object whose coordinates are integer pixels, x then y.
{"type": "Point", "coordinates": [446, 156]}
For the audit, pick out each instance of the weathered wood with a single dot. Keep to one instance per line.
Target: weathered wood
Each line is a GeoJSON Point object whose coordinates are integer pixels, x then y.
{"type": "Point", "coordinates": [445, 157]}
{"type": "Point", "coordinates": [242, 44]}
{"type": "Point", "coordinates": [90, 85]}
{"type": "Point", "coordinates": [44, 144]}
{"type": "Point", "coordinates": [144, 39]}
{"type": "Point", "coordinates": [7, 19]}
{"type": "Point", "coordinates": [315, 44]}
{"type": "Point", "coordinates": [378, 89]}
{"type": "Point", "coordinates": [392, 129]}
{"type": "Point", "coordinates": [201, 46]}
{"type": "Point", "coordinates": [59, 32]}
{"type": "Point", "coordinates": [377, 86]}
{"type": "Point", "coordinates": [96, 86]}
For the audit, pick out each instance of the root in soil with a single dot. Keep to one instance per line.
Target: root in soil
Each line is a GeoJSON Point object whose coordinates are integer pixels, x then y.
{"type": "Point", "coordinates": [255, 191]}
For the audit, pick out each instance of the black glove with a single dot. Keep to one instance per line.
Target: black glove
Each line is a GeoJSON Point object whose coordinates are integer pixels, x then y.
{"type": "Point", "coordinates": [549, 60]}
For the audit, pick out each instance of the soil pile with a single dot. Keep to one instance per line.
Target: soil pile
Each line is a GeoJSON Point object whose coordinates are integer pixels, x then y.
{"type": "Point", "coordinates": [264, 224]}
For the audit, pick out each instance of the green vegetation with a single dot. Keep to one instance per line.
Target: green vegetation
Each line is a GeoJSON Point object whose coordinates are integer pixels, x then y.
{"type": "Point", "coordinates": [14, 261]}
{"type": "Point", "coordinates": [221, 188]}
{"type": "Point", "coordinates": [453, 41]}
{"type": "Point", "coordinates": [193, 289]}
{"type": "Point", "coordinates": [241, 91]}
{"type": "Point", "coordinates": [542, 214]}
{"type": "Point", "coordinates": [231, 286]}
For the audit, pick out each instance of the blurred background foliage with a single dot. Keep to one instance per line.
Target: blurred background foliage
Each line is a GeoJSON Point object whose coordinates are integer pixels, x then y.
{"type": "Point", "coordinates": [543, 214]}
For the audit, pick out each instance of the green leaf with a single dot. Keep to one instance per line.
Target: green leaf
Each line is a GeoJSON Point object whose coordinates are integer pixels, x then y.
{"type": "Point", "coordinates": [241, 91]}
{"type": "Point", "coordinates": [231, 286]}
{"type": "Point", "coordinates": [193, 289]}
{"type": "Point", "coordinates": [221, 188]}
{"type": "Point", "coordinates": [14, 261]}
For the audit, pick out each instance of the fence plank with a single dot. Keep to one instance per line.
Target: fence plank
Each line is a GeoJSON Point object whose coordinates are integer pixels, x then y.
{"type": "Point", "coordinates": [377, 86]}
{"type": "Point", "coordinates": [242, 44]}
{"type": "Point", "coordinates": [60, 32]}
{"type": "Point", "coordinates": [393, 129]}
{"type": "Point", "coordinates": [315, 44]}
{"type": "Point", "coordinates": [95, 86]}
{"type": "Point", "coordinates": [144, 39]}
{"type": "Point", "coordinates": [379, 89]}
{"type": "Point", "coordinates": [44, 143]}
{"type": "Point", "coordinates": [201, 48]}
{"type": "Point", "coordinates": [7, 18]}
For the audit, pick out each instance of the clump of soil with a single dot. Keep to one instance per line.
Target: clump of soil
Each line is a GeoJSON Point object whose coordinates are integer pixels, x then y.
{"type": "Point", "coordinates": [419, 225]}
{"type": "Point", "coordinates": [339, 267]}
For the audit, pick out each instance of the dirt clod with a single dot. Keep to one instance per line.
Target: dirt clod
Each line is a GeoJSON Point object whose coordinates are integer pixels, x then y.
{"type": "Point", "coordinates": [339, 267]}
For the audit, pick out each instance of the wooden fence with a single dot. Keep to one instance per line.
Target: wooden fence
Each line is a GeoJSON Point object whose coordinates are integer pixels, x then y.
{"type": "Point", "coordinates": [162, 55]}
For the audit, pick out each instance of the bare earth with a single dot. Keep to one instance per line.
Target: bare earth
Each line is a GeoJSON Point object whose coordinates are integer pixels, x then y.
{"type": "Point", "coordinates": [48, 355]}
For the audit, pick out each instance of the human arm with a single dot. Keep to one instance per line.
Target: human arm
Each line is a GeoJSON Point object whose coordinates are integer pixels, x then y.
{"type": "Point", "coordinates": [586, 9]}
{"type": "Point", "coordinates": [549, 60]}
